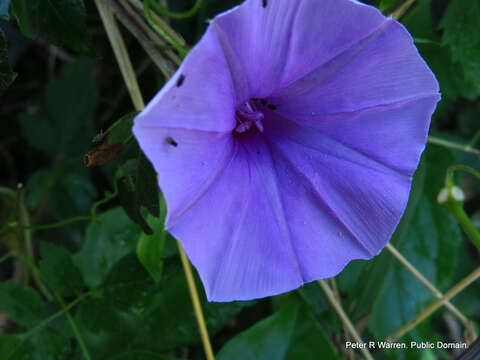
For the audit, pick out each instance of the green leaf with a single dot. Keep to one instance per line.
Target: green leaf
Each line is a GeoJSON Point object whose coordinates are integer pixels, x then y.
{"type": "Point", "coordinates": [121, 130]}
{"type": "Point", "coordinates": [67, 188]}
{"type": "Point", "coordinates": [460, 25]}
{"type": "Point", "coordinates": [106, 242]}
{"type": "Point", "coordinates": [128, 199]}
{"type": "Point", "coordinates": [51, 344]}
{"type": "Point", "coordinates": [388, 5]}
{"type": "Point", "coordinates": [59, 271]}
{"type": "Point", "coordinates": [150, 248]}
{"type": "Point", "coordinates": [453, 83]}
{"type": "Point", "coordinates": [57, 123]}
{"type": "Point", "coordinates": [139, 355]}
{"type": "Point", "coordinates": [13, 347]}
{"type": "Point", "coordinates": [267, 339]}
{"type": "Point", "coordinates": [431, 244]}
{"type": "Point", "coordinates": [136, 313]}
{"type": "Point", "coordinates": [292, 333]}
{"type": "Point", "coordinates": [22, 304]}
{"type": "Point", "coordinates": [309, 341]}
{"type": "Point", "coordinates": [4, 14]}
{"type": "Point", "coordinates": [7, 76]}
{"type": "Point", "coordinates": [147, 186]}
{"type": "Point", "coordinates": [59, 21]}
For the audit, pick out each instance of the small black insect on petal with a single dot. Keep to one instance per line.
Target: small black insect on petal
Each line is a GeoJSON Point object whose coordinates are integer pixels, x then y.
{"type": "Point", "coordinates": [264, 3]}
{"type": "Point", "coordinates": [272, 107]}
{"type": "Point", "coordinates": [170, 141]}
{"type": "Point", "coordinates": [180, 80]}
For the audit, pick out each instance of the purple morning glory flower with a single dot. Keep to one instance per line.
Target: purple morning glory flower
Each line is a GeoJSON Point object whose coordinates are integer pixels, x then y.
{"type": "Point", "coordinates": [286, 142]}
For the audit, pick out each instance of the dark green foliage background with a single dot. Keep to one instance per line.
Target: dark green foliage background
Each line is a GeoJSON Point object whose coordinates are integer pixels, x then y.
{"type": "Point", "coordinates": [120, 272]}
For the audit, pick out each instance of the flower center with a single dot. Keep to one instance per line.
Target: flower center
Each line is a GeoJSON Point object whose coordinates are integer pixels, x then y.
{"type": "Point", "coordinates": [248, 117]}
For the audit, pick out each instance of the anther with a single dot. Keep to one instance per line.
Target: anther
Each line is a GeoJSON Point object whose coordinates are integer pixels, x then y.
{"type": "Point", "coordinates": [264, 3]}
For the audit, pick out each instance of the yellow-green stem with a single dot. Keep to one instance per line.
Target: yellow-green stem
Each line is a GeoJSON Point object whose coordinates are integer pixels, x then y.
{"type": "Point", "coordinates": [73, 325]}
{"type": "Point", "coordinates": [456, 208]}
{"type": "Point", "coordinates": [452, 145]}
{"type": "Point", "coordinates": [343, 316]}
{"type": "Point", "coordinates": [435, 306]}
{"type": "Point", "coordinates": [196, 304]}
{"type": "Point", "coordinates": [148, 15]}
{"type": "Point", "coordinates": [120, 51]}
{"type": "Point", "coordinates": [123, 60]}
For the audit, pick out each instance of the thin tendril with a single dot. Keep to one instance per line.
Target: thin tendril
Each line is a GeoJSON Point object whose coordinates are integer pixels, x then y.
{"type": "Point", "coordinates": [148, 15]}
{"type": "Point", "coordinates": [177, 15]}
{"type": "Point", "coordinates": [451, 170]}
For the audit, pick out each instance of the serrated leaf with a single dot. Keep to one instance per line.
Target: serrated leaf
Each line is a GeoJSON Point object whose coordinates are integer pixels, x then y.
{"type": "Point", "coordinates": [57, 123]}
{"type": "Point", "coordinates": [7, 76]}
{"type": "Point", "coordinates": [58, 270]}
{"type": "Point", "coordinates": [106, 242]}
{"type": "Point", "coordinates": [59, 21]}
{"type": "Point", "coordinates": [460, 25]}
{"type": "Point", "coordinates": [22, 304]}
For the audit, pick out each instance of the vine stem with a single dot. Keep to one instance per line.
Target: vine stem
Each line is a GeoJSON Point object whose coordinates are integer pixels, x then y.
{"type": "Point", "coordinates": [120, 51]}
{"type": "Point", "coordinates": [457, 210]}
{"type": "Point", "coordinates": [48, 321]}
{"type": "Point", "coordinates": [123, 59]}
{"type": "Point", "coordinates": [24, 220]}
{"type": "Point", "coordinates": [196, 304]}
{"type": "Point", "coordinates": [397, 14]}
{"type": "Point", "coordinates": [452, 145]}
{"type": "Point", "coordinates": [435, 306]}
{"type": "Point", "coordinates": [333, 284]}
{"type": "Point", "coordinates": [74, 327]}
{"type": "Point", "coordinates": [343, 316]}
{"type": "Point", "coordinates": [428, 285]}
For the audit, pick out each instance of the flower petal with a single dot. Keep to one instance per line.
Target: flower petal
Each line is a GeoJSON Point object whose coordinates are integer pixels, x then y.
{"type": "Point", "coordinates": [185, 130]}
{"type": "Point", "coordinates": [237, 235]}
{"type": "Point", "coordinates": [392, 135]}
{"type": "Point", "coordinates": [342, 205]}
{"type": "Point", "coordinates": [255, 40]}
{"type": "Point", "coordinates": [343, 217]}
{"type": "Point", "coordinates": [199, 96]}
{"type": "Point", "coordinates": [325, 29]}
{"type": "Point", "coordinates": [382, 68]}
{"type": "Point", "coordinates": [187, 167]}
